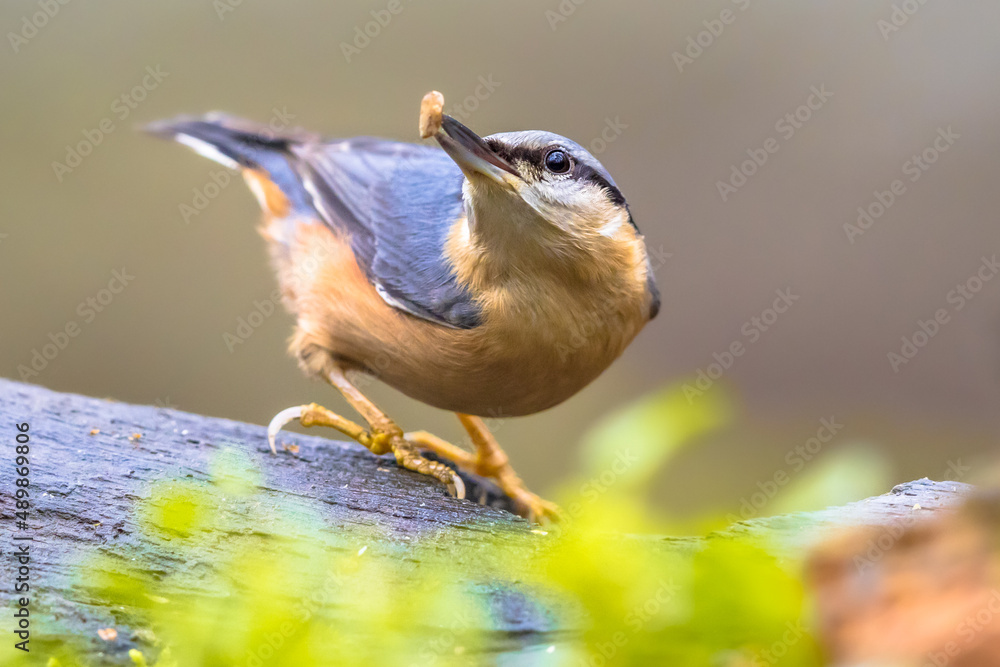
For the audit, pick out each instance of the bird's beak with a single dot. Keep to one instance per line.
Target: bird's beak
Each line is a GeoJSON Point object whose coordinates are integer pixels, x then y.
{"type": "Point", "coordinates": [472, 154]}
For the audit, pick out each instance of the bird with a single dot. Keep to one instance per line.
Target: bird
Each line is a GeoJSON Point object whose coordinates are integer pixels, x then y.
{"type": "Point", "coordinates": [493, 277]}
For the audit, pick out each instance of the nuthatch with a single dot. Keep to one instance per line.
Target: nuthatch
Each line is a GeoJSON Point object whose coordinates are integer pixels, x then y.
{"type": "Point", "coordinates": [497, 277]}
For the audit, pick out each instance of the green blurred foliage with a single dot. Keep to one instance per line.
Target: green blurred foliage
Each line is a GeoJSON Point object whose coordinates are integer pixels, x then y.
{"type": "Point", "coordinates": [848, 473]}
{"type": "Point", "coordinates": [655, 600]}
{"type": "Point", "coordinates": [646, 434]}
{"type": "Point", "coordinates": [357, 596]}
{"type": "Point", "coordinates": [314, 598]}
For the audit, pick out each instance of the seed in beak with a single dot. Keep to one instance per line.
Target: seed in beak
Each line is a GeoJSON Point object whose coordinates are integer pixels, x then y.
{"type": "Point", "coordinates": [431, 110]}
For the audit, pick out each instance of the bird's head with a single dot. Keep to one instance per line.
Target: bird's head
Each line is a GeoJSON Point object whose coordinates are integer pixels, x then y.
{"type": "Point", "coordinates": [536, 191]}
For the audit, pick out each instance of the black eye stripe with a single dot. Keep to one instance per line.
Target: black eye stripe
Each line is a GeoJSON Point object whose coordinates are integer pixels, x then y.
{"type": "Point", "coordinates": [516, 153]}
{"type": "Point", "coordinates": [587, 173]}
{"type": "Point", "coordinates": [536, 157]}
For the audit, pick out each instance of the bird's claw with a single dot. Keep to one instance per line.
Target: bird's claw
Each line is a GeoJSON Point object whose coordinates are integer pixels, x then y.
{"type": "Point", "coordinates": [536, 509]}
{"type": "Point", "coordinates": [457, 487]}
{"type": "Point", "coordinates": [278, 422]}
{"type": "Point", "coordinates": [377, 441]}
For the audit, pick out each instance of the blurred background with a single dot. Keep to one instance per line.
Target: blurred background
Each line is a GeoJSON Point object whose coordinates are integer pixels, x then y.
{"type": "Point", "coordinates": [746, 135]}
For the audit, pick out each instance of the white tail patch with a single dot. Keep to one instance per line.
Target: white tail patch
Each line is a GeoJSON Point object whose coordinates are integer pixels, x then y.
{"type": "Point", "coordinates": [205, 149]}
{"type": "Point", "coordinates": [257, 188]}
{"type": "Point", "coordinates": [270, 197]}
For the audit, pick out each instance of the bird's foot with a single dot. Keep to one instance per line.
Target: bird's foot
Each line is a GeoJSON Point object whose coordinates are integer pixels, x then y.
{"type": "Point", "coordinates": [529, 505]}
{"type": "Point", "coordinates": [410, 458]}
{"type": "Point", "coordinates": [387, 438]}
{"type": "Point", "coordinates": [492, 464]}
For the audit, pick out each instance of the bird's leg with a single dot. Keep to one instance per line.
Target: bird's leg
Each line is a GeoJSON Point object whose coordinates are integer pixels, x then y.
{"type": "Point", "coordinates": [488, 461]}
{"type": "Point", "coordinates": [432, 443]}
{"type": "Point", "coordinates": [384, 435]}
{"type": "Point", "coordinates": [491, 461]}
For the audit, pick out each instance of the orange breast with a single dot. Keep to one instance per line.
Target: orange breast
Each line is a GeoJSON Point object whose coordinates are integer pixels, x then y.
{"type": "Point", "coordinates": [530, 353]}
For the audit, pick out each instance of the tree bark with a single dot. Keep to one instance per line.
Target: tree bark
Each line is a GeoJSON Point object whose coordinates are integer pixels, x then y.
{"type": "Point", "coordinates": [88, 470]}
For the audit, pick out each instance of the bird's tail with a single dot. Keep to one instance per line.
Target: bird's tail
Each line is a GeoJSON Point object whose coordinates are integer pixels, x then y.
{"type": "Point", "coordinates": [263, 155]}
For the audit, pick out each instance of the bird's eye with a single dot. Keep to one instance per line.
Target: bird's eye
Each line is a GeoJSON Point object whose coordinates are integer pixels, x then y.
{"type": "Point", "coordinates": [557, 161]}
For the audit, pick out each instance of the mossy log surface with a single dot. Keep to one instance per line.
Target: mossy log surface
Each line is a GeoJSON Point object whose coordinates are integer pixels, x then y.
{"type": "Point", "coordinates": [89, 472]}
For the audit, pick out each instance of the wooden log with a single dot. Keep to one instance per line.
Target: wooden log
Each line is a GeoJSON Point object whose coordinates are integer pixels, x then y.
{"type": "Point", "coordinates": [93, 460]}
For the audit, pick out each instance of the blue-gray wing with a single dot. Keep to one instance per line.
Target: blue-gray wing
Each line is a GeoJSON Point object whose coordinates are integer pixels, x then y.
{"type": "Point", "coordinates": [397, 202]}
